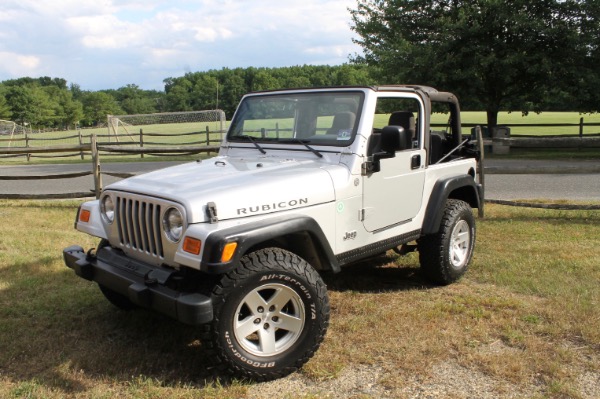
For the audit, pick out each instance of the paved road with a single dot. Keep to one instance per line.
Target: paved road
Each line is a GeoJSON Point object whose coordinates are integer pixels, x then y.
{"type": "Point", "coordinates": [527, 179]}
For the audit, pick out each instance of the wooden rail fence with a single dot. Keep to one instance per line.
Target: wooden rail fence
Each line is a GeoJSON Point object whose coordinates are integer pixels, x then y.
{"type": "Point", "coordinates": [94, 148]}
{"type": "Point", "coordinates": [107, 142]}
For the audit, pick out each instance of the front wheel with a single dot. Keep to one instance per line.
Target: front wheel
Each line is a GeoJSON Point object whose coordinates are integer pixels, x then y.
{"type": "Point", "coordinates": [445, 255]}
{"type": "Point", "coordinates": [271, 315]}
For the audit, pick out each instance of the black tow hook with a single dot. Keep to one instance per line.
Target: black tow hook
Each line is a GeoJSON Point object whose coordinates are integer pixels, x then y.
{"type": "Point", "coordinates": [148, 280]}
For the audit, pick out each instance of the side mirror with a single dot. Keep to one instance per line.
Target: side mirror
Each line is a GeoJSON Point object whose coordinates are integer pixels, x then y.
{"type": "Point", "coordinates": [394, 138]}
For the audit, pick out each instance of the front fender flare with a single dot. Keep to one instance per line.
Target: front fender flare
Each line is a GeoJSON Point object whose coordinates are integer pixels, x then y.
{"type": "Point", "coordinates": [251, 234]}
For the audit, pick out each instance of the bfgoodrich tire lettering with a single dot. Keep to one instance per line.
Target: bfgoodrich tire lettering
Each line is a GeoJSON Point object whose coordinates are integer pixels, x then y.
{"type": "Point", "coordinates": [271, 315]}
{"type": "Point", "coordinates": [445, 255]}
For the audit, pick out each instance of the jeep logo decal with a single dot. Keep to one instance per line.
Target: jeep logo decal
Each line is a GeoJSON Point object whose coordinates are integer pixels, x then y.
{"type": "Point", "coordinates": [272, 207]}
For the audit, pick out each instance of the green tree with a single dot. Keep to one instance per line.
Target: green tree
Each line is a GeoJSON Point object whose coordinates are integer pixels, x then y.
{"type": "Point", "coordinates": [67, 112]}
{"type": "Point", "coordinates": [30, 104]}
{"type": "Point", "coordinates": [231, 91]}
{"type": "Point", "coordinates": [352, 75]}
{"type": "Point", "coordinates": [134, 100]}
{"type": "Point", "coordinates": [96, 107]}
{"type": "Point", "coordinates": [200, 90]}
{"type": "Point", "coordinates": [5, 112]}
{"type": "Point", "coordinates": [493, 54]}
{"type": "Point", "coordinates": [178, 93]}
{"type": "Point", "coordinates": [264, 80]}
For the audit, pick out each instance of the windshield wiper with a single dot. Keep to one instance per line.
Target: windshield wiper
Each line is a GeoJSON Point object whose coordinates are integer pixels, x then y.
{"type": "Point", "coordinates": [317, 153]}
{"type": "Point", "coordinates": [253, 141]}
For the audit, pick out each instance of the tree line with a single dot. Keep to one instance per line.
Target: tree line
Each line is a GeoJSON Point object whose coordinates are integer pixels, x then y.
{"type": "Point", "coordinates": [47, 102]}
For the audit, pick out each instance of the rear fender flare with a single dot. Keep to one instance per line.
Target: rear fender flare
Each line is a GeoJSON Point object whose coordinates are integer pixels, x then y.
{"type": "Point", "coordinates": [461, 187]}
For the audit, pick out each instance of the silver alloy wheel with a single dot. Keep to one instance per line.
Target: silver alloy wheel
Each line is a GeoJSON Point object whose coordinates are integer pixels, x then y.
{"type": "Point", "coordinates": [460, 241]}
{"type": "Point", "coordinates": [269, 320]}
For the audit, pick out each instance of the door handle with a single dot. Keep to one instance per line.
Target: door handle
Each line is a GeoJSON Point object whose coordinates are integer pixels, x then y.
{"type": "Point", "coordinates": [415, 161]}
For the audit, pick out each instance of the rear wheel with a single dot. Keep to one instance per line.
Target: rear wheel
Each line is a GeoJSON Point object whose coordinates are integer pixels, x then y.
{"type": "Point", "coordinates": [270, 315]}
{"type": "Point", "coordinates": [445, 255]}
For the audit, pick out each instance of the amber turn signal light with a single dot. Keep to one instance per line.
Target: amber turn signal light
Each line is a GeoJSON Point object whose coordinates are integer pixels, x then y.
{"type": "Point", "coordinates": [84, 216]}
{"type": "Point", "coordinates": [228, 251]}
{"type": "Point", "coordinates": [192, 245]}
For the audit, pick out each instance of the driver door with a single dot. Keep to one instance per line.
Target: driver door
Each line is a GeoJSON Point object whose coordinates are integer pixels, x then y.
{"type": "Point", "coordinates": [393, 196]}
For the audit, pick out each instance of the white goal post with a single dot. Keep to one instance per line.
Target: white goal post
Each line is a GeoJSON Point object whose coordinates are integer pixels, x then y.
{"type": "Point", "coordinates": [10, 128]}
{"type": "Point", "coordinates": [120, 126]}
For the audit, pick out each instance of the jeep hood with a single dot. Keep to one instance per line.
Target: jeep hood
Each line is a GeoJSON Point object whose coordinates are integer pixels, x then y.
{"type": "Point", "coordinates": [238, 187]}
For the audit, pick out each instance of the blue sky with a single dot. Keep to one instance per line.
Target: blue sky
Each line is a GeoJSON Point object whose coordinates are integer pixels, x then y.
{"type": "Point", "coordinates": [107, 44]}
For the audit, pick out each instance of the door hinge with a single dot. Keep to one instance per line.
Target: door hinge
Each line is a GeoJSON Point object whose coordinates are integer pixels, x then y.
{"type": "Point", "coordinates": [366, 168]}
{"type": "Point", "coordinates": [361, 215]}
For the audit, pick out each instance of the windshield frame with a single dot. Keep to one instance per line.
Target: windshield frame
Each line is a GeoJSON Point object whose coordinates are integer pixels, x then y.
{"type": "Point", "coordinates": [299, 118]}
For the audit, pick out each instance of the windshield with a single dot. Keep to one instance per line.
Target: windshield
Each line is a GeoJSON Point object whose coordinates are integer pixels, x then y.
{"type": "Point", "coordinates": [318, 118]}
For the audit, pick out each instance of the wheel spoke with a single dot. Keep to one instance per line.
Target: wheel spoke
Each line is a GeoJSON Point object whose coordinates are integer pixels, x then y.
{"type": "Point", "coordinates": [253, 300]}
{"type": "Point", "coordinates": [246, 327]}
{"type": "Point", "coordinates": [458, 256]}
{"type": "Point", "coordinates": [462, 237]}
{"type": "Point", "coordinates": [289, 323]}
{"type": "Point", "coordinates": [281, 298]}
{"type": "Point", "coordinates": [267, 340]}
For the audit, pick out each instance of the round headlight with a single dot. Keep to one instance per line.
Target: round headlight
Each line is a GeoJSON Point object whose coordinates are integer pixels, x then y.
{"type": "Point", "coordinates": [173, 224]}
{"type": "Point", "coordinates": [107, 207]}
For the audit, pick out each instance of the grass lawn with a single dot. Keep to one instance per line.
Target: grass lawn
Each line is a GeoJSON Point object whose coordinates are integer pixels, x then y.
{"type": "Point", "coordinates": [525, 317]}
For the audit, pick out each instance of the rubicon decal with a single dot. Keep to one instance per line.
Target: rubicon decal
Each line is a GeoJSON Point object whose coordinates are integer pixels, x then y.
{"type": "Point", "coordinates": [275, 206]}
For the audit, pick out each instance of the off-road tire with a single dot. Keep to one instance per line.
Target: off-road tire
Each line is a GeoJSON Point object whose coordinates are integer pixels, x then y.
{"type": "Point", "coordinates": [270, 316]}
{"type": "Point", "coordinates": [445, 255]}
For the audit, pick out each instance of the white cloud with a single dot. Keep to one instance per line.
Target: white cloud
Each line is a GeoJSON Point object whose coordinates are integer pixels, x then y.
{"type": "Point", "coordinates": [106, 32]}
{"type": "Point", "coordinates": [133, 40]}
{"type": "Point", "coordinates": [18, 65]}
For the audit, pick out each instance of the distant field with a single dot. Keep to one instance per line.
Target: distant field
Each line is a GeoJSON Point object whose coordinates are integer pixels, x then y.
{"type": "Point", "coordinates": [128, 134]}
{"type": "Point", "coordinates": [176, 134]}
{"type": "Point", "coordinates": [505, 118]}
{"type": "Point", "coordinates": [173, 133]}
{"type": "Point", "coordinates": [132, 132]}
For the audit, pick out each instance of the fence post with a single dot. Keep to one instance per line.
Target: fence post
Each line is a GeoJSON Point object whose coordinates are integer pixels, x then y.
{"type": "Point", "coordinates": [480, 166]}
{"type": "Point", "coordinates": [81, 144]}
{"type": "Point", "coordinates": [27, 146]}
{"type": "Point", "coordinates": [142, 142]}
{"type": "Point", "coordinates": [96, 166]}
{"type": "Point", "coordinates": [207, 138]}
{"type": "Point", "coordinates": [581, 127]}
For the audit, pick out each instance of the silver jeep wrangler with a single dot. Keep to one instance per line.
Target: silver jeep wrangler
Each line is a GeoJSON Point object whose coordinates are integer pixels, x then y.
{"type": "Point", "coordinates": [306, 181]}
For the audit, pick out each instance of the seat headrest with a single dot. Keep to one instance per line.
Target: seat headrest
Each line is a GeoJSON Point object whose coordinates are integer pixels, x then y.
{"type": "Point", "coordinates": [406, 119]}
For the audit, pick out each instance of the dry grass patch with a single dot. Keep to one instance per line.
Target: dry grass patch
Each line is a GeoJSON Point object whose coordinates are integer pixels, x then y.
{"type": "Point", "coordinates": [524, 322]}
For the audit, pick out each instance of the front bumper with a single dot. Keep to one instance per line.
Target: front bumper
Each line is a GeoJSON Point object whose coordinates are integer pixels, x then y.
{"type": "Point", "coordinates": [143, 284]}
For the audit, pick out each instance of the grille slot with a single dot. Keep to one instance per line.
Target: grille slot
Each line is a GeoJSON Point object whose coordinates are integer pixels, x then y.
{"type": "Point", "coordinates": [138, 225]}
